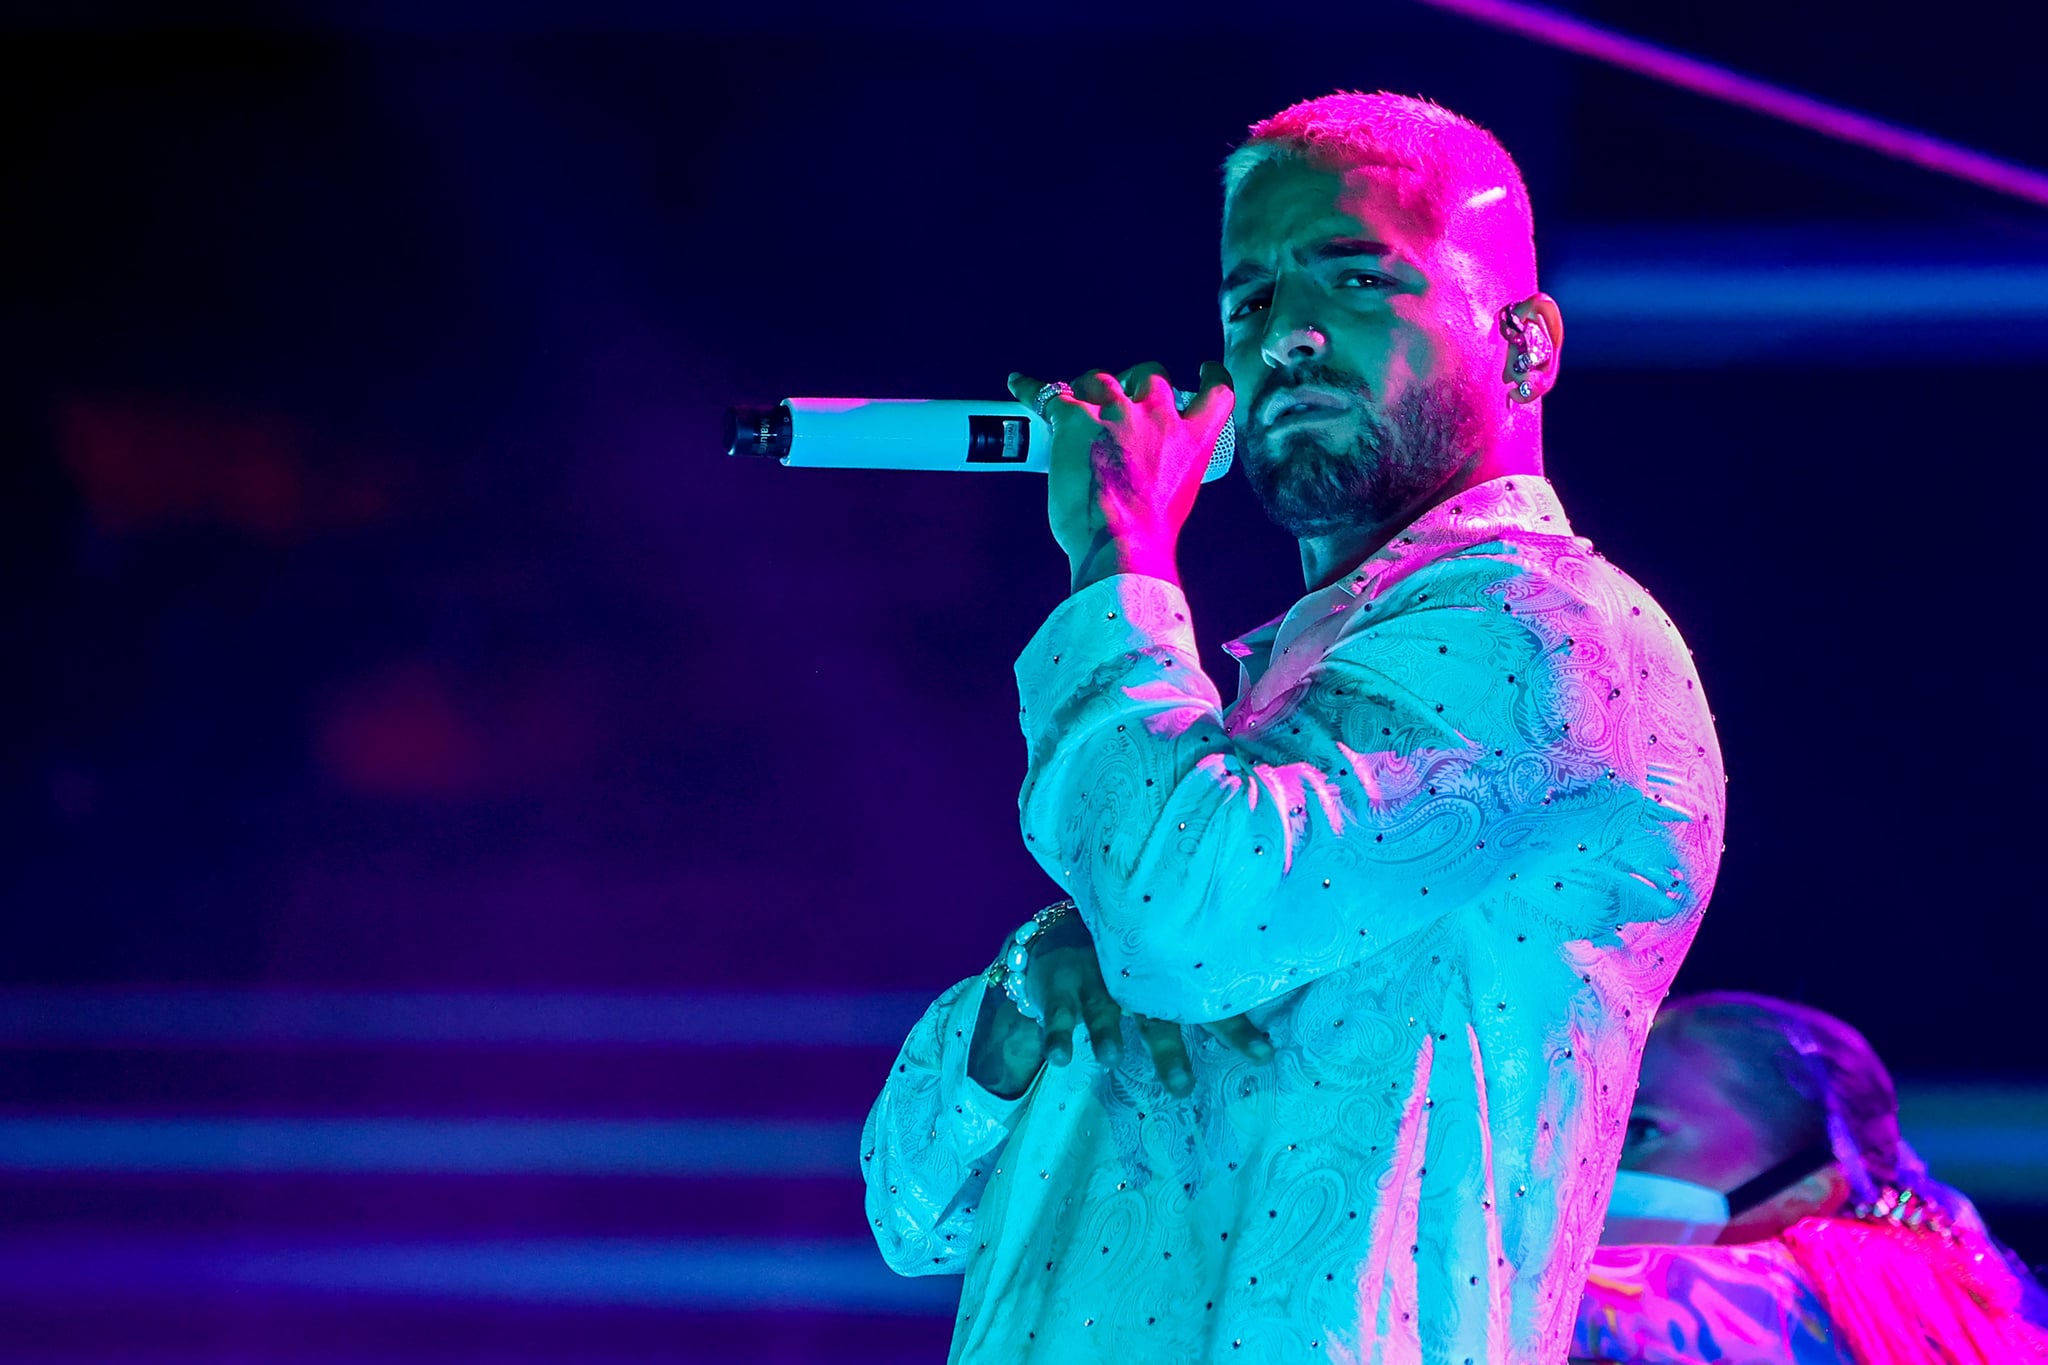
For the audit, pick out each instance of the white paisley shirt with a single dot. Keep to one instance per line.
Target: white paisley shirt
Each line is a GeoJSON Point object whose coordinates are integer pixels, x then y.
{"type": "Point", "coordinates": [1447, 849]}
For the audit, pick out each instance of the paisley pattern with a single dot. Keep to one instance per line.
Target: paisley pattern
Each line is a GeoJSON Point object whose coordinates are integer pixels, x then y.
{"type": "Point", "coordinates": [931, 1142]}
{"type": "Point", "coordinates": [1448, 849]}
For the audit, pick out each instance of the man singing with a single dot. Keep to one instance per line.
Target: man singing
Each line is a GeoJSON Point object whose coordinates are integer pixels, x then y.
{"type": "Point", "coordinates": [1421, 886]}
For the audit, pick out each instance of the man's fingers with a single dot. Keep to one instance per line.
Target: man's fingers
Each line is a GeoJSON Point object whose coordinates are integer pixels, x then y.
{"type": "Point", "coordinates": [1024, 388]}
{"type": "Point", "coordinates": [1098, 387]}
{"type": "Point", "coordinates": [1145, 382]}
{"type": "Point", "coordinates": [1169, 1053]}
{"type": "Point", "coordinates": [1244, 1036]}
{"type": "Point", "coordinates": [1059, 1032]}
{"type": "Point", "coordinates": [1213, 404]}
{"type": "Point", "coordinates": [1104, 1018]}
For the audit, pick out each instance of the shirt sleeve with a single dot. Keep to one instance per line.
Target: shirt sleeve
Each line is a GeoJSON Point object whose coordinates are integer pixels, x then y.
{"type": "Point", "coordinates": [931, 1141]}
{"type": "Point", "coordinates": [1670, 1305]}
{"type": "Point", "coordinates": [1425, 758]}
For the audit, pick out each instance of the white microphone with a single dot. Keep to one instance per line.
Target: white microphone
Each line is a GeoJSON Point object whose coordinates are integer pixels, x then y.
{"type": "Point", "coordinates": [914, 433]}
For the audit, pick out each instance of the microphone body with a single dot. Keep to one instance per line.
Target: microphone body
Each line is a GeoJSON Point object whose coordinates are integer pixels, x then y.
{"type": "Point", "coordinates": [913, 433]}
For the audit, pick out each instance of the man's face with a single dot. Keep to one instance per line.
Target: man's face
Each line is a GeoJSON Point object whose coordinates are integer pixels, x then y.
{"type": "Point", "coordinates": [1356, 343]}
{"type": "Point", "coordinates": [1690, 1119]}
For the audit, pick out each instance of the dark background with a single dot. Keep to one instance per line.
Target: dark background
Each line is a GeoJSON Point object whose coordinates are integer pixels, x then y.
{"type": "Point", "coordinates": [382, 618]}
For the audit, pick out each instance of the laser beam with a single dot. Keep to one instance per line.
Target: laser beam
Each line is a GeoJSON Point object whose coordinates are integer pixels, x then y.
{"type": "Point", "coordinates": [1951, 159]}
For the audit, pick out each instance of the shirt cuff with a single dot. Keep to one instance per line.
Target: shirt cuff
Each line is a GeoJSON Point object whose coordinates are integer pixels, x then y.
{"type": "Point", "coordinates": [1123, 614]}
{"type": "Point", "coordinates": [979, 1117]}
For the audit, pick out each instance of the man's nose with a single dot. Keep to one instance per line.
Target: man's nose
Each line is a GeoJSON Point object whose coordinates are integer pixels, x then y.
{"type": "Point", "coordinates": [1298, 344]}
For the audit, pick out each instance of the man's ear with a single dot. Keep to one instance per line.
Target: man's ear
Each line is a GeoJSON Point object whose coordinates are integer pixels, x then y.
{"type": "Point", "coordinates": [1530, 367]}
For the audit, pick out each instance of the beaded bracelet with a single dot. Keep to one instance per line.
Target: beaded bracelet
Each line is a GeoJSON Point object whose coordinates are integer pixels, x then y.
{"type": "Point", "coordinates": [1010, 970]}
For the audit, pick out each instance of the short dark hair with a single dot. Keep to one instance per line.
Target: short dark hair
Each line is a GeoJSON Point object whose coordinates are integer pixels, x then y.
{"type": "Point", "coordinates": [1460, 168]}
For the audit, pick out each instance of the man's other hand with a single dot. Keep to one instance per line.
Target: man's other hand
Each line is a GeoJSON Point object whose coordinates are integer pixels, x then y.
{"type": "Point", "coordinates": [1066, 980]}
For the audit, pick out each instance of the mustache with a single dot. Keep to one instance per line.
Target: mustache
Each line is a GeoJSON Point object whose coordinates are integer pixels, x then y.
{"type": "Point", "coordinates": [1317, 376]}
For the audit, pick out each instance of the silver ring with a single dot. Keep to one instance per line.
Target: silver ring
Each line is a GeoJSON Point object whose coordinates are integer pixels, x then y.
{"type": "Point", "coordinates": [1045, 395]}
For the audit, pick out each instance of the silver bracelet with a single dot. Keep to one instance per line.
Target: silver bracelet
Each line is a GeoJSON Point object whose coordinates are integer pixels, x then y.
{"type": "Point", "coordinates": [1016, 960]}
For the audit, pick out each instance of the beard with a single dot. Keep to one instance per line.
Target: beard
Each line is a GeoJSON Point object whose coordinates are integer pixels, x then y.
{"type": "Point", "coordinates": [1387, 467]}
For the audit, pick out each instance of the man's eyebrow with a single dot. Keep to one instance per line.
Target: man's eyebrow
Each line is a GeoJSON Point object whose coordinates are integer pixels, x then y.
{"type": "Point", "coordinates": [1336, 249]}
{"type": "Point", "coordinates": [1340, 248]}
{"type": "Point", "coordinates": [1240, 277]}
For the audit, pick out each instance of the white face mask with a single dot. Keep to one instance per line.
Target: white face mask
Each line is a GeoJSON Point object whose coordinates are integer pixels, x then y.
{"type": "Point", "coordinates": [1663, 1210]}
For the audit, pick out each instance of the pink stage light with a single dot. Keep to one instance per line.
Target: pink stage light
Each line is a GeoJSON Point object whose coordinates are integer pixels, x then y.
{"type": "Point", "coordinates": [1716, 82]}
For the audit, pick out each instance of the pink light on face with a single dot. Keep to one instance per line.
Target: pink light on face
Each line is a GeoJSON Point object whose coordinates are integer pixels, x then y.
{"type": "Point", "coordinates": [1717, 82]}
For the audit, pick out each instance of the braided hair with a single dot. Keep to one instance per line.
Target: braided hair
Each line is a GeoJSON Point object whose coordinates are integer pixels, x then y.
{"type": "Point", "coordinates": [1809, 1078]}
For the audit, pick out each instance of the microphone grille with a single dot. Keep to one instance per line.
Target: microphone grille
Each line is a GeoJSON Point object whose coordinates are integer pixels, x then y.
{"type": "Point", "coordinates": [1226, 440]}
{"type": "Point", "coordinates": [1225, 452]}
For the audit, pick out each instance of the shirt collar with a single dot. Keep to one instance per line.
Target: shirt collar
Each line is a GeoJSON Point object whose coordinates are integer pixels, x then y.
{"type": "Point", "coordinates": [1524, 503]}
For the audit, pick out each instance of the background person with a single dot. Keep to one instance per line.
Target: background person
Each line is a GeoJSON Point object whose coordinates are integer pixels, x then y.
{"type": "Point", "coordinates": [1840, 1248]}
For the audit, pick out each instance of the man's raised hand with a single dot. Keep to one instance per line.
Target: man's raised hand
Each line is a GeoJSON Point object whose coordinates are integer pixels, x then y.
{"type": "Point", "coordinates": [1126, 465]}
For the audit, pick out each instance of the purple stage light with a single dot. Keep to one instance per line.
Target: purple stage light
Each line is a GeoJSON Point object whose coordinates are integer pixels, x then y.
{"type": "Point", "coordinates": [1716, 82]}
